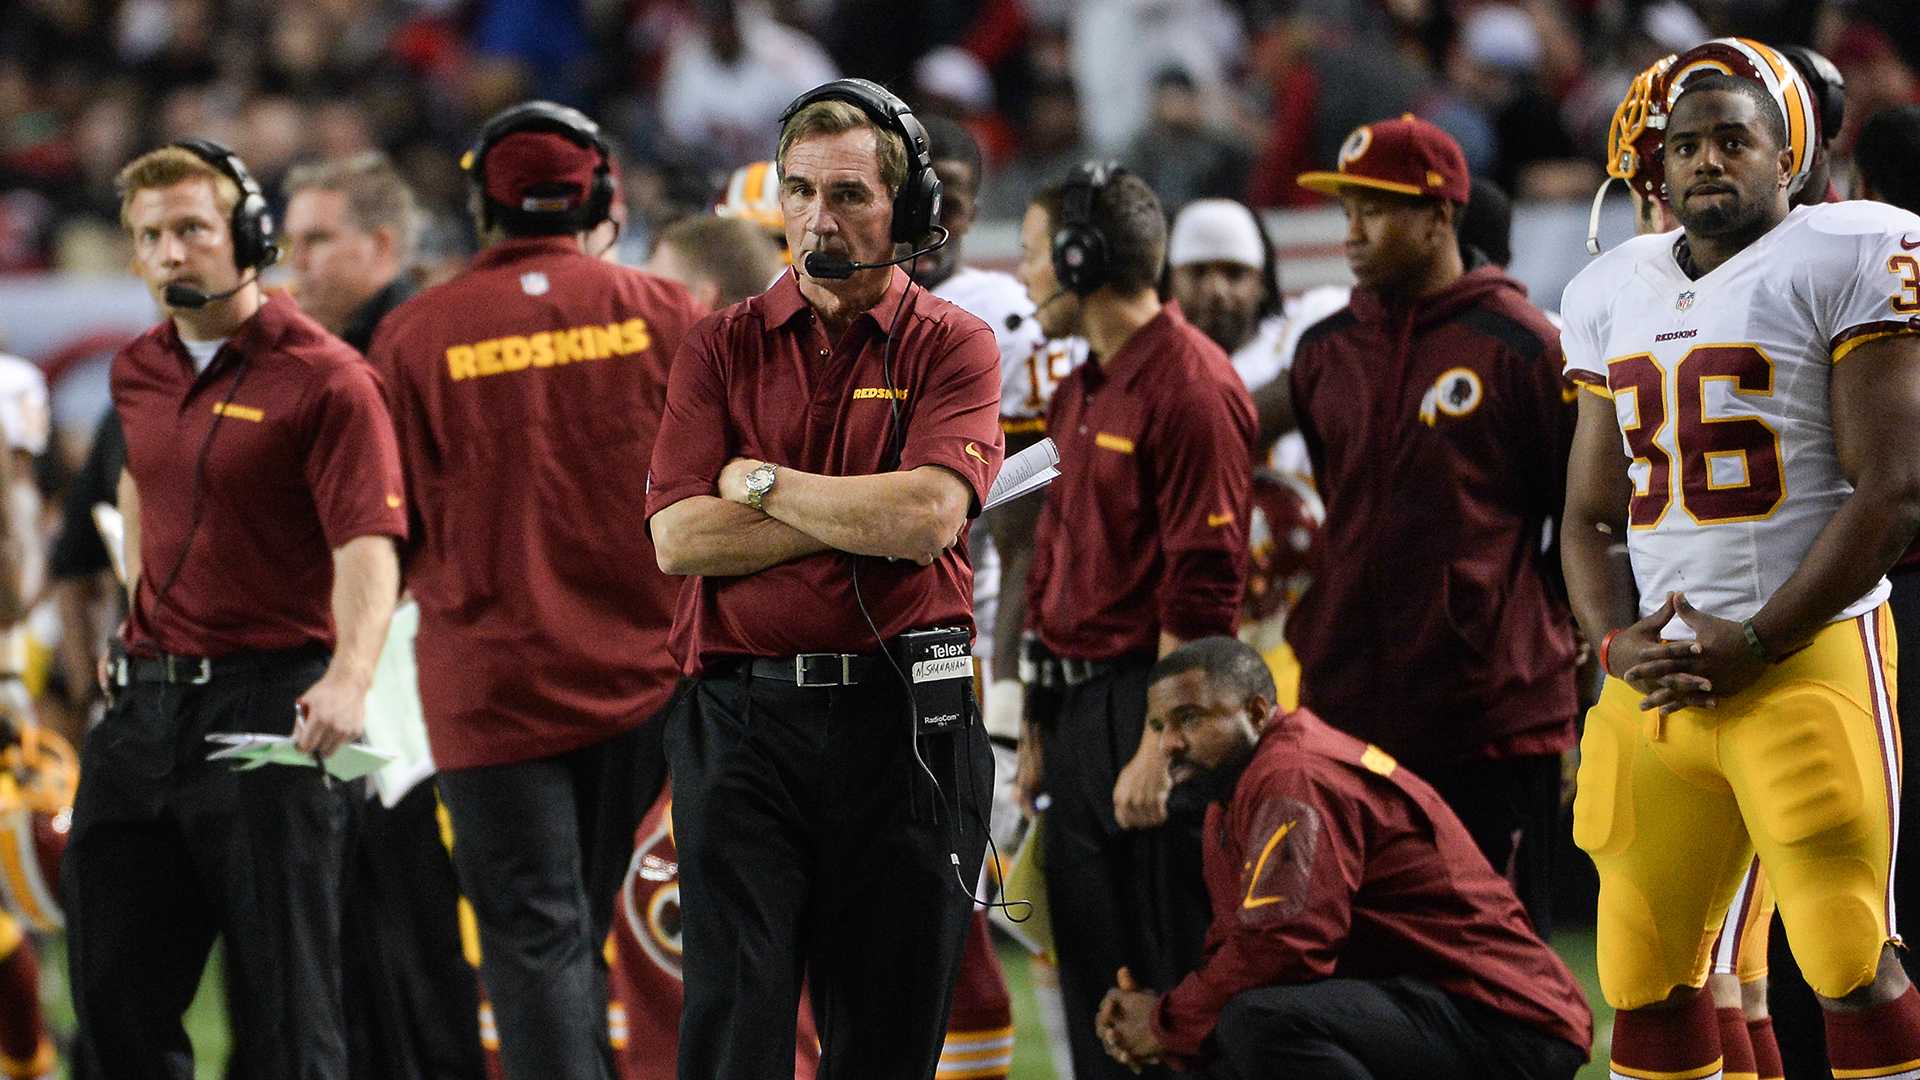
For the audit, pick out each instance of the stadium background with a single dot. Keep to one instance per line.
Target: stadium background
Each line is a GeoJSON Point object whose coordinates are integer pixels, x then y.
{"type": "Point", "coordinates": [1203, 97]}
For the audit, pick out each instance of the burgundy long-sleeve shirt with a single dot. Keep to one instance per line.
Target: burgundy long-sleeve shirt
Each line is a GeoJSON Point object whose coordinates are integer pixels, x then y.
{"type": "Point", "coordinates": [1331, 861]}
{"type": "Point", "coordinates": [1146, 529]}
{"type": "Point", "coordinates": [1439, 433]}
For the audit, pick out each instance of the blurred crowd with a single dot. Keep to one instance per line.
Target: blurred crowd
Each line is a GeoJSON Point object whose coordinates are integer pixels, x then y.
{"type": "Point", "coordinates": [1201, 97]}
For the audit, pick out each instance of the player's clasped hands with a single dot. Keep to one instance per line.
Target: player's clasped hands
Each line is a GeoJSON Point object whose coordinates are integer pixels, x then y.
{"type": "Point", "coordinates": [1678, 675]}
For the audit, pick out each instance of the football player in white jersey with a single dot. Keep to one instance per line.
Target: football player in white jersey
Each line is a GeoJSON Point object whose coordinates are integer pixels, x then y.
{"type": "Point", "coordinates": [1221, 269]}
{"type": "Point", "coordinates": [1759, 368]}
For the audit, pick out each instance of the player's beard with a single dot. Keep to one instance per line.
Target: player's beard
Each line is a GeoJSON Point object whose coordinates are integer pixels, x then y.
{"type": "Point", "coordinates": [1228, 328]}
{"type": "Point", "coordinates": [1727, 216]}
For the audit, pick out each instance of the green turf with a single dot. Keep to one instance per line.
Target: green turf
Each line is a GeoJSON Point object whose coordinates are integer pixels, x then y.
{"type": "Point", "coordinates": [207, 1022]}
{"type": "Point", "coordinates": [206, 1019]}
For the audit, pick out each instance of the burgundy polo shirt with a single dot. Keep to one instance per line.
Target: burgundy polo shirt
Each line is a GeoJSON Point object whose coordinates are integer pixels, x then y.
{"type": "Point", "coordinates": [527, 394]}
{"type": "Point", "coordinates": [1146, 529]}
{"type": "Point", "coordinates": [302, 462]}
{"type": "Point", "coordinates": [761, 380]}
{"type": "Point", "coordinates": [1333, 862]}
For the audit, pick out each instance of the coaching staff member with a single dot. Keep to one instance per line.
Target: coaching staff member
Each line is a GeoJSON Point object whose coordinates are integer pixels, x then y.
{"type": "Point", "coordinates": [1142, 545]}
{"type": "Point", "coordinates": [1438, 426]}
{"type": "Point", "coordinates": [351, 226]}
{"type": "Point", "coordinates": [823, 448]}
{"type": "Point", "coordinates": [527, 392]}
{"type": "Point", "coordinates": [1355, 931]}
{"type": "Point", "coordinates": [263, 495]}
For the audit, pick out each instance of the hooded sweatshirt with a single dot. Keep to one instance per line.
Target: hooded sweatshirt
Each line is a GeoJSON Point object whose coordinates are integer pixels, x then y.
{"type": "Point", "coordinates": [1436, 625]}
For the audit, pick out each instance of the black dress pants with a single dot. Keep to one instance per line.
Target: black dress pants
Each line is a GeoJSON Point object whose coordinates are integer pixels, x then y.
{"type": "Point", "coordinates": [1388, 1029]}
{"type": "Point", "coordinates": [812, 844]}
{"type": "Point", "coordinates": [540, 847]}
{"type": "Point", "coordinates": [1511, 808]}
{"type": "Point", "coordinates": [1135, 898]}
{"type": "Point", "coordinates": [168, 849]}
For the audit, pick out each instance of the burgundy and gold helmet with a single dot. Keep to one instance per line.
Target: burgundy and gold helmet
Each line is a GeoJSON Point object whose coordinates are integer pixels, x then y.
{"type": "Point", "coordinates": [1287, 513]}
{"type": "Point", "coordinates": [1745, 58]}
{"type": "Point", "coordinates": [38, 776]}
{"type": "Point", "coordinates": [1639, 127]}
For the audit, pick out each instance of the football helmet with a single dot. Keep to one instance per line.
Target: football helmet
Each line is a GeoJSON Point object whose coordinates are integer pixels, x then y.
{"type": "Point", "coordinates": [1638, 129]}
{"type": "Point", "coordinates": [1286, 519]}
{"type": "Point", "coordinates": [39, 774]}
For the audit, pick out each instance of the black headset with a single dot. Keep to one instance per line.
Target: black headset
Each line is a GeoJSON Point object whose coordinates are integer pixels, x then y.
{"type": "Point", "coordinates": [1828, 85]}
{"type": "Point", "coordinates": [252, 225]}
{"type": "Point", "coordinates": [916, 206]}
{"type": "Point", "coordinates": [1079, 247]}
{"type": "Point", "coordinates": [568, 123]}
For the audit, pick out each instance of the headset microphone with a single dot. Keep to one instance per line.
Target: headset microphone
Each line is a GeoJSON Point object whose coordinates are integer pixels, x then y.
{"type": "Point", "coordinates": [192, 299]}
{"type": "Point", "coordinates": [819, 264]}
{"type": "Point", "coordinates": [1014, 320]}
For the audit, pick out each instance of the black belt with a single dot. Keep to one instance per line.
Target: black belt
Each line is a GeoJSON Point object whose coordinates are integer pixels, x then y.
{"type": "Point", "coordinates": [174, 670]}
{"type": "Point", "coordinates": [1075, 671]}
{"type": "Point", "coordinates": [816, 669]}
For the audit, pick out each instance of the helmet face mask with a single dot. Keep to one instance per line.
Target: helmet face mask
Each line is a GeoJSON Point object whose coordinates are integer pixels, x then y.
{"type": "Point", "coordinates": [1638, 129]}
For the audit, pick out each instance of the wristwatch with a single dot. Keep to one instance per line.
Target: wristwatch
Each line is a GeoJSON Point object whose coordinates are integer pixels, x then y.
{"type": "Point", "coordinates": [759, 482]}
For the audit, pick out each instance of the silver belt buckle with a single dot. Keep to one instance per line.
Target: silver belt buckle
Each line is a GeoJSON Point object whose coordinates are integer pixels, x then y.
{"type": "Point", "coordinates": [800, 670]}
{"type": "Point", "coordinates": [1076, 672]}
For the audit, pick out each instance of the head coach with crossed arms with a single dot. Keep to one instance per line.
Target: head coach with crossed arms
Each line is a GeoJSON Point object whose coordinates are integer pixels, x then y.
{"type": "Point", "coordinates": [824, 446]}
{"type": "Point", "coordinates": [263, 496]}
{"type": "Point", "coordinates": [526, 393]}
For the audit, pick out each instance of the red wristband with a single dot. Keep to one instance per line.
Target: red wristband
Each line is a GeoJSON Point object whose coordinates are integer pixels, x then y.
{"type": "Point", "coordinates": [1606, 641]}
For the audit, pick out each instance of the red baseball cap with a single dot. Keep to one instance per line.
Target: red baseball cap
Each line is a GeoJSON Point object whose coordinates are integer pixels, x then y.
{"type": "Point", "coordinates": [1408, 156]}
{"type": "Point", "coordinates": [532, 170]}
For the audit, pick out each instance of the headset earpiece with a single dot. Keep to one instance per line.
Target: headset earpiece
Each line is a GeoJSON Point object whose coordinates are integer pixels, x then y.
{"type": "Point", "coordinates": [916, 206]}
{"type": "Point", "coordinates": [1079, 247]}
{"type": "Point", "coordinates": [252, 222]}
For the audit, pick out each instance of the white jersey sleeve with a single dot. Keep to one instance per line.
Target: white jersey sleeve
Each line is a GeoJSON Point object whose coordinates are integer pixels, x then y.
{"type": "Point", "coordinates": [1586, 309]}
{"type": "Point", "coordinates": [1863, 272]}
{"type": "Point", "coordinates": [25, 417]}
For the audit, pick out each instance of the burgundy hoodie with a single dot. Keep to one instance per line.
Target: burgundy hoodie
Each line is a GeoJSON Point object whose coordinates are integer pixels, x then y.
{"type": "Point", "coordinates": [1436, 626]}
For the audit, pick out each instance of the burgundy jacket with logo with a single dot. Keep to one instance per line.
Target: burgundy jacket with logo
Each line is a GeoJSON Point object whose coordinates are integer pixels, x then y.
{"type": "Point", "coordinates": [1331, 861]}
{"type": "Point", "coordinates": [1435, 625]}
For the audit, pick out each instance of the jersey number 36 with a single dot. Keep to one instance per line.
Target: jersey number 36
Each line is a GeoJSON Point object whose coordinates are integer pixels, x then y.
{"type": "Point", "coordinates": [1729, 466]}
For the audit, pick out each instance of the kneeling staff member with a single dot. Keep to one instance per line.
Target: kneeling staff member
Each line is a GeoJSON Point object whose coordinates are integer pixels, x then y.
{"type": "Point", "coordinates": [823, 447]}
{"type": "Point", "coordinates": [1356, 931]}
